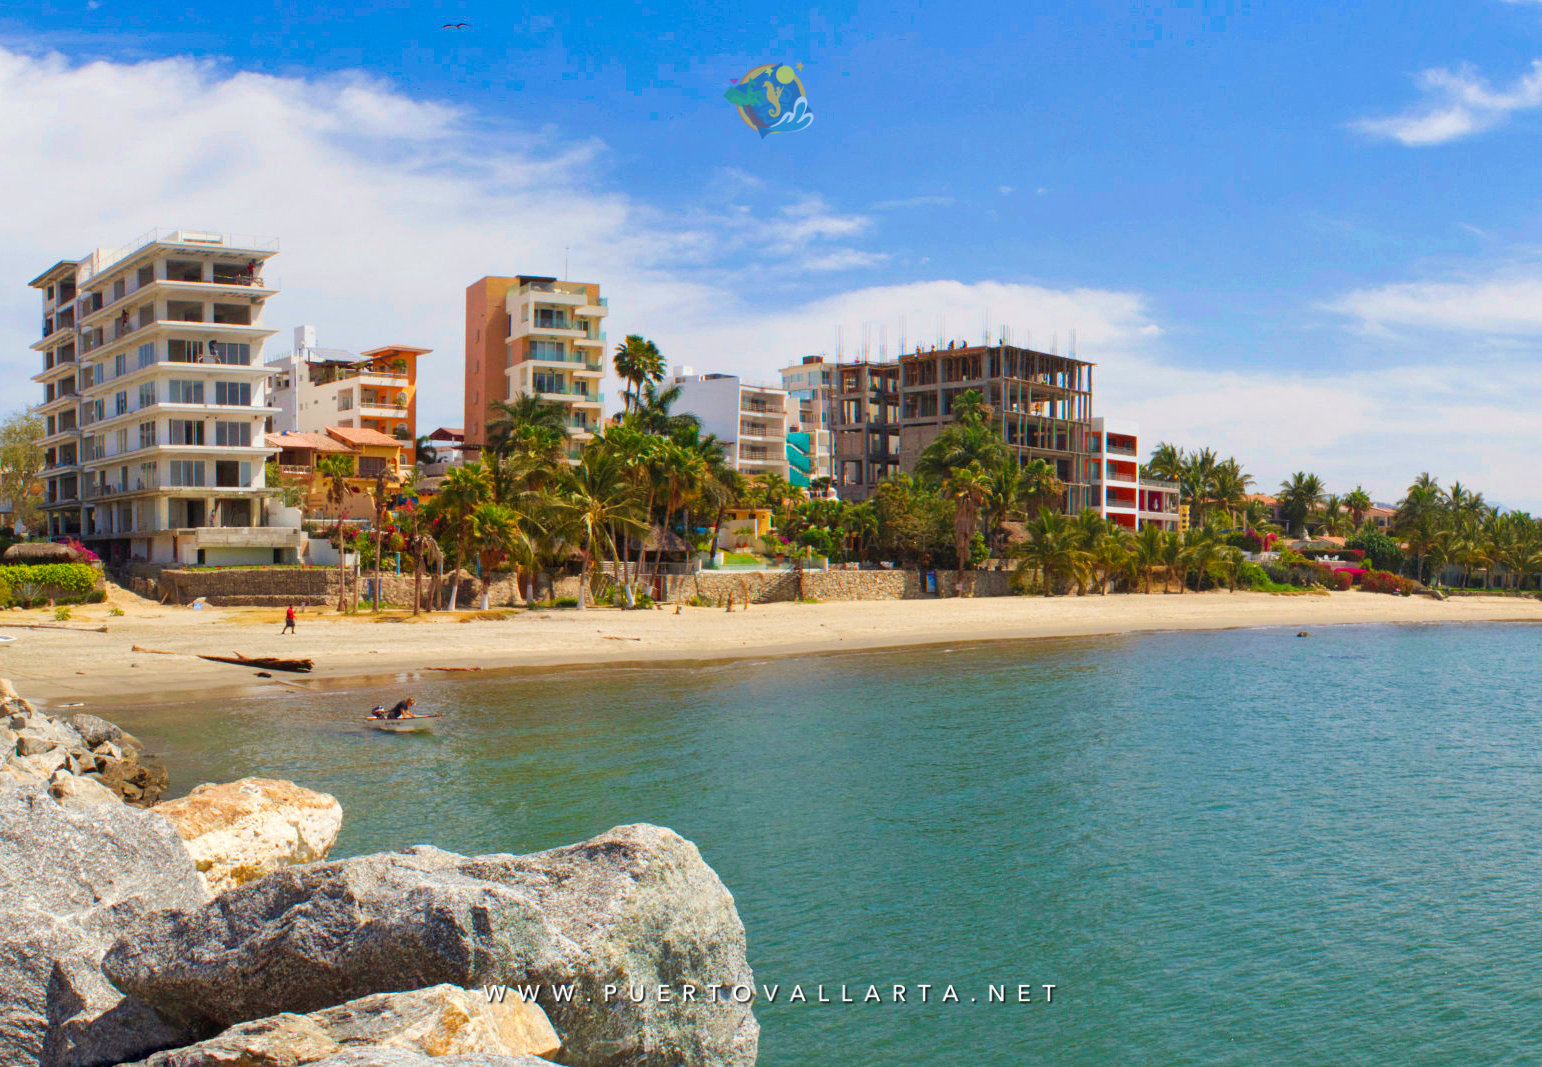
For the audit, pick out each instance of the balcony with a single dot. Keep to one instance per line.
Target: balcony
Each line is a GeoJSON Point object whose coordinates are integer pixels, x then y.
{"type": "Point", "coordinates": [1118, 450]}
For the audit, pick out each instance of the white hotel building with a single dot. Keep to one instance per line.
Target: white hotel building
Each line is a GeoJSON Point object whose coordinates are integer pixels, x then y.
{"type": "Point", "coordinates": [750, 420]}
{"type": "Point", "coordinates": [155, 400]}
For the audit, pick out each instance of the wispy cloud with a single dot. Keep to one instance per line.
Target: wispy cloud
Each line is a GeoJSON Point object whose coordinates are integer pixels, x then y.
{"type": "Point", "coordinates": [1508, 304]}
{"type": "Point", "coordinates": [913, 201]}
{"type": "Point", "coordinates": [846, 259]}
{"type": "Point", "coordinates": [1458, 103]}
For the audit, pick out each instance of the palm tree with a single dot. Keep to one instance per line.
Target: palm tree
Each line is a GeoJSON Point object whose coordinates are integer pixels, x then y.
{"type": "Point", "coordinates": [528, 424]}
{"type": "Point", "coordinates": [1334, 520]}
{"type": "Point", "coordinates": [381, 501]}
{"type": "Point", "coordinates": [1205, 557]}
{"type": "Point", "coordinates": [1167, 462]}
{"type": "Point", "coordinates": [494, 532]}
{"type": "Point", "coordinates": [337, 468]}
{"type": "Point", "coordinates": [602, 506]}
{"type": "Point", "coordinates": [1053, 548]}
{"type": "Point", "coordinates": [652, 413]}
{"type": "Point", "coordinates": [1196, 482]}
{"type": "Point", "coordinates": [1229, 487]}
{"type": "Point", "coordinates": [637, 361]}
{"type": "Point", "coordinates": [463, 490]}
{"type": "Point", "coordinates": [1358, 501]}
{"type": "Point", "coordinates": [1298, 499]}
{"type": "Point", "coordinates": [423, 449]}
{"type": "Point", "coordinates": [1148, 548]}
{"type": "Point", "coordinates": [968, 488]}
{"type": "Point", "coordinates": [1038, 487]}
{"type": "Point", "coordinates": [1174, 557]}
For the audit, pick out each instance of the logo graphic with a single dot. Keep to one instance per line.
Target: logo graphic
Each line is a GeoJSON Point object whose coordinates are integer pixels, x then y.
{"type": "Point", "coordinates": [770, 99]}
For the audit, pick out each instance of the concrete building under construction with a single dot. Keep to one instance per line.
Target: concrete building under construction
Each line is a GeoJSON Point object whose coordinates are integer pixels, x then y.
{"type": "Point", "coordinates": [883, 415]}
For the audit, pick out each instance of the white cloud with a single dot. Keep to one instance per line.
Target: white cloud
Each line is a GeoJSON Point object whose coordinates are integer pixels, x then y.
{"type": "Point", "coordinates": [1508, 305]}
{"type": "Point", "coordinates": [1004, 190]}
{"type": "Point", "coordinates": [1459, 103]}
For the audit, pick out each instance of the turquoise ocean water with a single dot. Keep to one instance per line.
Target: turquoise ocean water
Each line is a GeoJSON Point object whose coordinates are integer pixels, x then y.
{"type": "Point", "coordinates": [1237, 847]}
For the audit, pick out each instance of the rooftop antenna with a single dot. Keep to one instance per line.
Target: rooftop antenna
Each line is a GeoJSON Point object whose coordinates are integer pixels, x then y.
{"type": "Point", "coordinates": [883, 341]}
{"type": "Point", "coordinates": [840, 351]}
{"type": "Point", "coordinates": [902, 335]}
{"type": "Point", "coordinates": [1073, 344]}
{"type": "Point", "coordinates": [866, 332]}
{"type": "Point", "coordinates": [985, 326]}
{"type": "Point", "coordinates": [1054, 343]}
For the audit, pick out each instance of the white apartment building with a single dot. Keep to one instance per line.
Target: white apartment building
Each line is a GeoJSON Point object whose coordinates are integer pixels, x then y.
{"type": "Point", "coordinates": [1118, 489]}
{"type": "Point", "coordinates": [155, 401]}
{"type": "Point", "coordinates": [750, 420]}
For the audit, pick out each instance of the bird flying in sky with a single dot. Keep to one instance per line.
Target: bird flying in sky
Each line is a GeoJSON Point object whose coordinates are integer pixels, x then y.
{"type": "Point", "coordinates": [456, 26]}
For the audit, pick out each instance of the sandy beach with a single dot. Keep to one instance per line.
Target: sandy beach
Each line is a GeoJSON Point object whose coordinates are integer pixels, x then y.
{"type": "Point", "coordinates": [98, 670]}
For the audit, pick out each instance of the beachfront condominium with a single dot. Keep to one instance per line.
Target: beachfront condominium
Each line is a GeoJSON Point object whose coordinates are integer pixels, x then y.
{"type": "Point", "coordinates": [749, 419]}
{"type": "Point", "coordinates": [532, 335]}
{"type": "Point", "coordinates": [1120, 491]}
{"type": "Point", "coordinates": [314, 388]}
{"type": "Point", "coordinates": [809, 385]}
{"type": "Point", "coordinates": [155, 400]}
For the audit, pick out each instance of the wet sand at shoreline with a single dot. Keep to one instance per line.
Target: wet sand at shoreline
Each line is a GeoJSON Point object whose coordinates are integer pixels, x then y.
{"type": "Point", "coordinates": [99, 670]}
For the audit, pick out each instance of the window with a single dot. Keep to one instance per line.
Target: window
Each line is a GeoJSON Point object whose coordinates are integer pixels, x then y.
{"type": "Point", "coordinates": [120, 402]}
{"type": "Point", "coordinates": [187, 472]}
{"type": "Point", "coordinates": [233, 394]}
{"type": "Point", "coordinates": [233, 434]}
{"type": "Point", "coordinates": [231, 354]}
{"type": "Point", "coordinates": [184, 351]}
{"type": "Point", "coordinates": [345, 400]}
{"type": "Point", "coordinates": [546, 350]}
{"type": "Point", "coordinates": [185, 391]}
{"type": "Point", "coordinates": [120, 441]}
{"type": "Point", "coordinates": [147, 353]}
{"type": "Point", "coordinates": [370, 466]}
{"type": "Point", "coordinates": [120, 364]}
{"type": "Point", "coordinates": [185, 432]}
{"type": "Point", "coordinates": [146, 434]}
{"type": "Point", "coordinates": [551, 318]}
{"type": "Point", "coordinates": [146, 394]}
{"type": "Point", "coordinates": [149, 476]}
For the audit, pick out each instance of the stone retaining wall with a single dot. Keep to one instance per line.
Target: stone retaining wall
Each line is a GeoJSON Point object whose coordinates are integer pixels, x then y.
{"type": "Point", "coordinates": [317, 586]}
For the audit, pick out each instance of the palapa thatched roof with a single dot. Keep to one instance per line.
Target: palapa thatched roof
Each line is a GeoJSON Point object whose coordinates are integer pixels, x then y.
{"type": "Point", "coordinates": [1015, 532]}
{"type": "Point", "coordinates": [658, 536]}
{"type": "Point", "coordinates": [40, 552]}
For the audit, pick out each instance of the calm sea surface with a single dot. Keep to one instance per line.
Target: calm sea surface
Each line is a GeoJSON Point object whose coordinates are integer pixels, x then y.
{"type": "Point", "coordinates": [1237, 847]}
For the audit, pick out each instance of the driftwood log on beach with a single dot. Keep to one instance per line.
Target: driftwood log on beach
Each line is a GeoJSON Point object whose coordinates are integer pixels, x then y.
{"type": "Point", "coordinates": [267, 663]}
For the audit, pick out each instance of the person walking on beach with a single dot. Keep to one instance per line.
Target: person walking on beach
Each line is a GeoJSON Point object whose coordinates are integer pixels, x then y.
{"type": "Point", "coordinates": [288, 621]}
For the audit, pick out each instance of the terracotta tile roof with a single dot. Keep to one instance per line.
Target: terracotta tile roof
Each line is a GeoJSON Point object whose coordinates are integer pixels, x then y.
{"type": "Point", "coordinates": [306, 442]}
{"type": "Point", "coordinates": [358, 435]}
{"type": "Point", "coordinates": [451, 433]}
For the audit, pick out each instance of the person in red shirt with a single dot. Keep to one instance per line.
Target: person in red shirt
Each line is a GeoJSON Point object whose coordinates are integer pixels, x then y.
{"type": "Point", "coordinates": [288, 621]}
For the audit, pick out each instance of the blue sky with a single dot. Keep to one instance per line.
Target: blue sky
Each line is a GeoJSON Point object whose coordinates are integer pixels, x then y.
{"type": "Point", "coordinates": [1311, 239]}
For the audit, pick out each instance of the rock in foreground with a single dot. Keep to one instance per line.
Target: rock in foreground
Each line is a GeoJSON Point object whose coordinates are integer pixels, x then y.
{"type": "Point", "coordinates": [390, 1057]}
{"type": "Point", "coordinates": [72, 880]}
{"type": "Point", "coordinates": [239, 831]}
{"type": "Point", "coordinates": [443, 1020]}
{"type": "Point", "coordinates": [634, 907]}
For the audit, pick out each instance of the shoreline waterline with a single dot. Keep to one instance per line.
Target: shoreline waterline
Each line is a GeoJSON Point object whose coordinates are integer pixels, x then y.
{"type": "Point", "coordinates": [99, 671]}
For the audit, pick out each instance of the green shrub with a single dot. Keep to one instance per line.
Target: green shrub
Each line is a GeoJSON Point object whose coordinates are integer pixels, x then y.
{"type": "Point", "coordinates": [566, 602]}
{"type": "Point", "coordinates": [61, 614]}
{"type": "Point", "coordinates": [42, 580]}
{"type": "Point", "coordinates": [1381, 552]}
{"type": "Point", "coordinates": [115, 611]}
{"type": "Point", "coordinates": [699, 601]}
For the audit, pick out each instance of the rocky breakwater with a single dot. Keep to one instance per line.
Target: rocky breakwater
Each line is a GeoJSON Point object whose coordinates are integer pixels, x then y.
{"type": "Point", "coordinates": [598, 929]}
{"type": "Point", "coordinates": [178, 937]}
{"type": "Point", "coordinates": [85, 759]}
